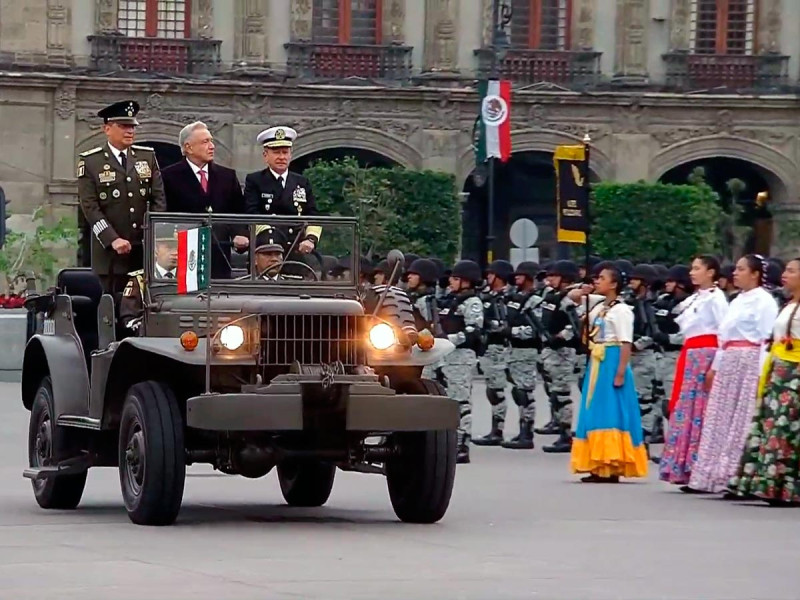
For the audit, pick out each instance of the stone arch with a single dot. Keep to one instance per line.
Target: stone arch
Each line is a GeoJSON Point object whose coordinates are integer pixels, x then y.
{"type": "Point", "coordinates": [539, 140]}
{"type": "Point", "coordinates": [778, 169]}
{"type": "Point", "coordinates": [363, 138]}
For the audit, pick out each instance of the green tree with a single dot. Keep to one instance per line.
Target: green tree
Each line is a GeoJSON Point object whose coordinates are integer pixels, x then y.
{"type": "Point", "coordinates": [654, 222]}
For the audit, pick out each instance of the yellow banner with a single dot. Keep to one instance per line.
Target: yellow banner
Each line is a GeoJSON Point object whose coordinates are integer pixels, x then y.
{"type": "Point", "coordinates": [572, 194]}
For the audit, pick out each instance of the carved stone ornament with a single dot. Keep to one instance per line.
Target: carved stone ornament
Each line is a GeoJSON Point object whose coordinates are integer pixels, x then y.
{"type": "Point", "coordinates": [252, 109]}
{"type": "Point", "coordinates": [203, 19]}
{"type": "Point", "coordinates": [251, 38]}
{"type": "Point", "coordinates": [394, 17]}
{"type": "Point", "coordinates": [769, 26]}
{"type": "Point", "coordinates": [583, 12]}
{"type": "Point", "coordinates": [58, 26]}
{"type": "Point", "coordinates": [441, 35]}
{"type": "Point", "coordinates": [486, 21]}
{"type": "Point", "coordinates": [631, 119]}
{"type": "Point", "coordinates": [680, 32]}
{"type": "Point", "coordinates": [301, 13]}
{"type": "Point", "coordinates": [631, 27]}
{"type": "Point", "coordinates": [441, 114]}
{"type": "Point", "coordinates": [106, 16]}
{"type": "Point", "coordinates": [65, 98]}
{"type": "Point", "coordinates": [537, 115]}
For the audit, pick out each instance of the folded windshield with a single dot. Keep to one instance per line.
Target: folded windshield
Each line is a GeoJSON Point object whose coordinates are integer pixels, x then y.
{"type": "Point", "coordinates": [252, 249]}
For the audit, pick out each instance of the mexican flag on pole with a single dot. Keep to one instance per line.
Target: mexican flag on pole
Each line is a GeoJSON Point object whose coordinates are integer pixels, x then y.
{"type": "Point", "coordinates": [194, 259]}
{"type": "Point", "coordinates": [494, 125]}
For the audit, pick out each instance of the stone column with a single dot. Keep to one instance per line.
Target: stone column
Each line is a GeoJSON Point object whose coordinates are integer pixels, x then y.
{"type": "Point", "coordinates": [441, 36]}
{"type": "Point", "coordinates": [301, 13]}
{"type": "Point", "coordinates": [203, 19]}
{"type": "Point", "coordinates": [582, 26]}
{"type": "Point", "coordinates": [681, 19]}
{"type": "Point", "coordinates": [392, 27]}
{"type": "Point", "coordinates": [631, 35]}
{"type": "Point", "coordinates": [770, 17]}
{"type": "Point", "coordinates": [105, 15]}
{"type": "Point", "coordinates": [62, 189]}
{"type": "Point", "coordinates": [486, 22]}
{"type": "Point", "coordinates": [59, 40]}
{"type": "Point", "coordinates": [251, 31]}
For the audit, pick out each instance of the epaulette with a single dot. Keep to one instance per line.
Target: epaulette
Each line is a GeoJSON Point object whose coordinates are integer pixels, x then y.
{"type": "Point", "coordinates": [148, 148]}
{"type": "Point", "coordinates": [136, 273]}
{"type": "Point", "coordinates": [92, 151]}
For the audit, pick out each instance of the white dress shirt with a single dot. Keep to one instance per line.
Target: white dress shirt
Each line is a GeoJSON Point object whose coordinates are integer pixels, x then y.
{"type": "Point", "coordinates": [781, 327]}
{"type": "Point", "coordinates": [196, 170]}
{"type": "Point", "coordinates": [162, 273]}
{"type": "Point", "coordinates": [702, 313]}
{"type": "Point", "coordinates": [750, 318]}
{"type": "Point", "coordinates": [117, 152]}
{"type": "Point", "coordinates": [281, 176]}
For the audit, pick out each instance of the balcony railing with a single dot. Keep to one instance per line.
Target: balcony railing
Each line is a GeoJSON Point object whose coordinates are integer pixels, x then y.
{"type": "Point", "coordinates": [732, 71]}
{"type": "Point", "coordinates": [155, 55]}
{"type": "Point", "coordinates": [563, 67]}
{"type": "Point", "coordinates": [308, 60]}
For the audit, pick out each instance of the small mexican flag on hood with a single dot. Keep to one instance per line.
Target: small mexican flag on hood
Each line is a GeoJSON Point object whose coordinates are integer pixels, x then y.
{"type": "Point", "coordinates": [494, 124]}
{"type": "Point", "coordinates": [194, 259]}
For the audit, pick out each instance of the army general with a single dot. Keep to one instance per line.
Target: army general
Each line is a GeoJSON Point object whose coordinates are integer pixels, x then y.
{"type": "Point", "coordinates": [117, 183]}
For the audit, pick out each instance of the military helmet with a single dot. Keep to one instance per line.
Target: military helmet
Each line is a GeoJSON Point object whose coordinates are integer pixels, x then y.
{"type": "Point", "coordinates": [502, 269]}
{"type": "Point", "coordinates": [624, 266]}
{"type": "Point", "coordinates": [426, 269]}
{"type": "Point", "coordinates": [774, 272]}
{"type": "Point", "coordinates": [680, 275]}
{"type": "Point", "coordinates": [409, 259]}
{"type": "Point", "coordinates": [567, 269]}
{"type": "Point", "coordinates": [645, 272]}
{"type": "Point", "coordinates": [603, 264]}
{"type": "Point", "coordinates": [382, 267]}
{"type": "Point", "coordinates": [726, 271]}
{"type": "Point", "coordinates": [528, 268]}
{"type": "Point", "coordinates": [440, 266]}
{"type": "Point", "coordinates": [469, 270]}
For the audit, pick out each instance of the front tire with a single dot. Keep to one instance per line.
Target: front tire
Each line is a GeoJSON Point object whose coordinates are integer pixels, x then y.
{"type": "Point", "coordinates": [47, 444]}
{"type": "Point", "coordinates": [421, 479]}
{"type": "Point", "coordinates": [306, 483]}
{"type": "Point", "coordinates": [152, 468]}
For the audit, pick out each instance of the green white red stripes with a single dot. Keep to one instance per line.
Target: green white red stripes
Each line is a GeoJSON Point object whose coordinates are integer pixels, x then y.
{"type": "Point", "coordinates": [194, 246]}
{"type": "Point", "coordinates": [495, 120]}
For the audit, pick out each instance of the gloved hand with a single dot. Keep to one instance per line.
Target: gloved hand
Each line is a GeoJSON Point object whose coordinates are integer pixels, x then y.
{"type": "Point", "coordinates": [134, 324]}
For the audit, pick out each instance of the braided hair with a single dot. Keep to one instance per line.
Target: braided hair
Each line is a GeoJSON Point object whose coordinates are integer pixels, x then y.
{"type": "Point", "coordinates": [788, 335]}
{"type": "Point", "coordinates": [757, 264]}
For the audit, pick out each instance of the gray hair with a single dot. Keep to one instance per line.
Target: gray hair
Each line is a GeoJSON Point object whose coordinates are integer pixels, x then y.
{"type": "Point", "coordinates": [187, 131]}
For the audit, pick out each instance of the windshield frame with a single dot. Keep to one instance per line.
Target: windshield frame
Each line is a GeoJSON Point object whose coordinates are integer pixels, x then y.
{"type": "Point", "coordinates": [251, 285]}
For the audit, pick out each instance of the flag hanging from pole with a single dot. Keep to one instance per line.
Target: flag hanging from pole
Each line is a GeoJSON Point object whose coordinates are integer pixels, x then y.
{"type": "Point", "coordinates": [194, 254]}
{"type": "Point", "coordinates": [572, 193]}
{"type": "Point", "coordinates": [494, 127]}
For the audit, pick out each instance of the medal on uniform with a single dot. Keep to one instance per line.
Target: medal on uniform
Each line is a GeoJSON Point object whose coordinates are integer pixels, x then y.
{"type": "Point", "coordinates": [115, 193]}
{"type": "Point", "coordinates": [143, 169]}
{"type": "Point", "coordinates": [103, 195]}
{"type": "Point", "coordinates": [299, 195]}
{"type": "Point", "coordinates": [108, 176]}
{"type": "Point", "coordinates": [81, 168]}
{"type": "Point", "coordinates": [142, 191]}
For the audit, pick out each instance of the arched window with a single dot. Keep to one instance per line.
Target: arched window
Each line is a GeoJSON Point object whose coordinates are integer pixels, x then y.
{"type": "Point", "coordinates": [356, 22]}
{"type": "Point", "coordinates": [540, 24]}
{"type": "Point", "coordinates": [724, 26]}
{"type": "Point", "coordinates": [154, 18]}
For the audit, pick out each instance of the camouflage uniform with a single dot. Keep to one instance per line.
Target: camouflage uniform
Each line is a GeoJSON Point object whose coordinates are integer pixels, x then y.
{"type": "Point", "coordinates": [643, 363]}
{"type": "Point", "coordinates": [494, 361]}
{"type": "Point", "coordinates": [670, 339]}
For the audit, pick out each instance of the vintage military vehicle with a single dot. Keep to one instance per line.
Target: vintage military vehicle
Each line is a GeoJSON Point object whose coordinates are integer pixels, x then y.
{"type": "Point", "coordinates": [285, 367]}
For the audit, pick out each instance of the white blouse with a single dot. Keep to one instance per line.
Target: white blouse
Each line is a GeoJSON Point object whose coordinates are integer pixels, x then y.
{"type": "Point", "coordinates": [782, 322]}
{"type": "Point", "coordinates": [750, 317]}
{"type": "Point", "coordinates": [702, 313]}
{"type": "Point", "coordinates": [617, 323]}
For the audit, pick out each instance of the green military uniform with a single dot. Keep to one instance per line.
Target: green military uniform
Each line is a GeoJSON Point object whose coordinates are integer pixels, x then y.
{"type": "Point", "coordinates": [131, 307]}
{"type": "Point", "coordinates": [114, 200]}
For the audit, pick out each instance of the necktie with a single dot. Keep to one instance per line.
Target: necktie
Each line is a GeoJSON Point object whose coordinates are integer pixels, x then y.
{"type": "Point", "coordinates": [280, 180]}
{"type": "Point", "coordinates": [204, 181]}
{"type": "Point", "coordinates": [123, 161]}
{"type": "Point", "coordinates": [169, 275]}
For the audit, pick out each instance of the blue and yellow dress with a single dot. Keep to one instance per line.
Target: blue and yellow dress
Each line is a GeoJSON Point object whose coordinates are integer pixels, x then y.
{"type": "Point", "coordinates": [608, 438]}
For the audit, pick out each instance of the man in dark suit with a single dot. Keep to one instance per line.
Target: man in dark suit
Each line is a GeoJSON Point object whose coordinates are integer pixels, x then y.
{"type": "Point", "coordinates": [277, 191]}
{"type": "Point", "coordinates": [198, 185]}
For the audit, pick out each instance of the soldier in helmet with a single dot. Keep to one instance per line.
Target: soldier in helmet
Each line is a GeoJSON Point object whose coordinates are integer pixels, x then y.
{"type": "Point", "coordinates": [495, 358]}
{"type": "Point", "coordinates": [525, 337]}
{"type": "Point", "coordinates": [461, 319]}
{"type": "Point", "coordinates": [645, 332]}
{"type": "Point", "coordinates": [421, 289]}
{"type": "Point", "coordinates": [560, 339]}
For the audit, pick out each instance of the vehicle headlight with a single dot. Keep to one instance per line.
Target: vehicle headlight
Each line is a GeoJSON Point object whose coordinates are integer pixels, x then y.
{"type": "Point", "coordinates": [231, 337]}
{"type": "Point", "coordinates": [382, 336]}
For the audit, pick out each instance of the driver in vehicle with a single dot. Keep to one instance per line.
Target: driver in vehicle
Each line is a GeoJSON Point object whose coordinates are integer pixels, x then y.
{"type": "Point", "coordinates": [269, 255]}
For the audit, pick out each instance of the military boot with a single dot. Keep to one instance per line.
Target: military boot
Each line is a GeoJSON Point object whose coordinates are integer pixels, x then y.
{"type": "Point", "coordinates": [462, 457]}
{"type": "Point", "coordinates": [551, 428]}
{"type": "Point", "coordinates": [495, 437]}
{"type": "Point", "coordinates": [562, 445]}
{"type": "Point", "coordinates": [524, 441]}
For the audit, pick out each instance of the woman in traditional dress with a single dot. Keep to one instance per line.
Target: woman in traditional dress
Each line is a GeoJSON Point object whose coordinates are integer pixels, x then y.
{"type": "Point", "coordinates": [700, 317]}
{"type": "Point", "coordinates": [608, 442]}
{"type": "Point", "coordinates": [743, 336]}
{"type": "Point", "coordinates": [770, 466]}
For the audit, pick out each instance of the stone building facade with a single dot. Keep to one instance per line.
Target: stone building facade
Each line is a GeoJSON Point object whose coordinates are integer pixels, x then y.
{"type": "Point", "coordinates": [657, 84]}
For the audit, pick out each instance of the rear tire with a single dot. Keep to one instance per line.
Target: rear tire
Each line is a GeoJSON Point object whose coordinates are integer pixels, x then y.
{"type": "Point", "coordinates": [421, 479]}
{"type": "Point", "coordinates": [47, 444]}
{"type": "Point", "coordinates": [152, 467]}
{"type": "Point", "coordinates": [306, 483]}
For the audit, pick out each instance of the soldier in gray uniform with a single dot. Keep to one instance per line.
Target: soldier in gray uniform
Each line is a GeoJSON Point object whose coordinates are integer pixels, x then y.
{"type": "Point", "coordinates": [495, 358]}
{"type": "Point", "coordinates": [421, 277]}
{"type": "Point", "coordinates": [461, 318]}
{"type": "Point", "coordinates": [525, 334]}
{"type": "Point", "coordinates": [117, 183]}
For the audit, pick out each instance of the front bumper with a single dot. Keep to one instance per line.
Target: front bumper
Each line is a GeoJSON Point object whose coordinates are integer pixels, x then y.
{"type": "Point", "coordinates": [294, 402]}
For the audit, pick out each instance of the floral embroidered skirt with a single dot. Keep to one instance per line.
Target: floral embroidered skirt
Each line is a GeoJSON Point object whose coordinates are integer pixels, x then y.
{"type": "Point", "coordinates": [770, 466]}
{"type": "Point", "coordinates": [608, 437]}
{"type": "Point", "coordinates": [686, 420]}
{"type": "Point", "coordinates": [729, 412]}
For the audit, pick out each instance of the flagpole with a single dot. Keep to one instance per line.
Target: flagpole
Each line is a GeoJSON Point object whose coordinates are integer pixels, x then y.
{"type": "Point", "coordinates": [208, 314]}
{"type": "Point", "coordinates": [490, 219]}
{"type": "Point", "coordinates": [587, 140]}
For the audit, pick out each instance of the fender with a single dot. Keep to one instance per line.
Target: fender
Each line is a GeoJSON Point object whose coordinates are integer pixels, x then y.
{"type": "Point", "coordinates": [416, 358]}
{"type": "Point", "coordinates": [61, 357]}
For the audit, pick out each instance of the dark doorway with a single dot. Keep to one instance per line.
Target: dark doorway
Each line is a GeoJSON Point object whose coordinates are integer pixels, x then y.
{"type": "Point", "coordinates": [166, 154]}
{"type": "Point", "coordinates": [365, 158]}
{"type": "Point", "coordinates": [751, 226]}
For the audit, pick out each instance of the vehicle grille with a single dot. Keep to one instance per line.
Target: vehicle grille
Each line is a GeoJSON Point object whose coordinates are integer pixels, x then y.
{"type": "Point", "coordinates": [312, 339]}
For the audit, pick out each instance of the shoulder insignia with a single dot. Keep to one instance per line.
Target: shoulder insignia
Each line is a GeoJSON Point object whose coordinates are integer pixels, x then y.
{"type": "Point", "coordinates": [92, 151]}
{"type": "Point", "coordinates": [81, 168]}
{"type": "Point", "coordinates": [136, 273]}
{"type": "Point", "coordinates": [148, 148]}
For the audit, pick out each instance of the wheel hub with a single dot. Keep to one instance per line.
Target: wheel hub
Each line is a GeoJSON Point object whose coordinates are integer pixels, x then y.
{"type": "Point", "coordinates": [43, 443]}
{"type": "Point", "coordinates": [134, 458]}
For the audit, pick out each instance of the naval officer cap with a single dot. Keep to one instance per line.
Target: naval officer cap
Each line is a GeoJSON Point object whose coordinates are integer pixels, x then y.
{"type": "Point", "coordinates": [277, 137]}
{"type": "Point", "coordinates": [123, 112]}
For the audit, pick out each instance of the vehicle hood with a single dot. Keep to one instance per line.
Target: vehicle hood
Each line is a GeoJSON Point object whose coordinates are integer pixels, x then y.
{"type": "Point", "coordinates": [262, 305]}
